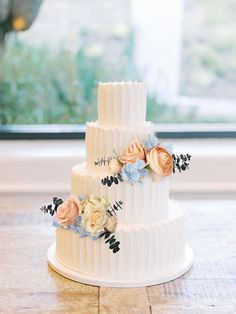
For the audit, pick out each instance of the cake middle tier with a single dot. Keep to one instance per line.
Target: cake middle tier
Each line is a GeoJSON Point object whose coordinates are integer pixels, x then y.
{"type": "Point", "coordinates": [142, 202]}
{"type": "Point", "coordinates": [103, 143]}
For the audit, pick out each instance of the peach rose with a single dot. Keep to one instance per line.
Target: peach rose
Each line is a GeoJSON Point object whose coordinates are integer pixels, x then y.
{"type": "Point", "coordinates": [160, 161]}
{"type": "Point", "coordinates": [68, 211]}
{"type": "Point", "coordinates": [115, 166]}
{"type": "Point", "coordinates": [135, 151]}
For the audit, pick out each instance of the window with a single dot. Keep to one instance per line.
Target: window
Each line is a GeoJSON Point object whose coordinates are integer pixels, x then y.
{"type": "Point", "coordinates": [208, 70]}
{"type": "Point", "coordinates": [185, 52]}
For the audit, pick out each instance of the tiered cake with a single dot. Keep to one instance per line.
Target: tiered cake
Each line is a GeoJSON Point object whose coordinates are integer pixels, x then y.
{"type": "Point", "coordinates": [150, 229]}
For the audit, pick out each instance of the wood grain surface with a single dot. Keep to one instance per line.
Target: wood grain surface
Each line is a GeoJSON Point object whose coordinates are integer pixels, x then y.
{"type": "Point", "coordinates": [28, 285]}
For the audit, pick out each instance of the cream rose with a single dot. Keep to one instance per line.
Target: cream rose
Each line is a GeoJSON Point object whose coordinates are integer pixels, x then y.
{"type": "Point", "coordinates": [111, 224]}
{"type": "Point", "coordinates": [115, 166]}
{"type": "Point", "coordinates": [135, 151]}
{"type": "Point", "coordinates": [94, 215]}
{"type": "Point", "coordinates": [160, 161]}
{"type": "Point", "coordinates": [68, 211]}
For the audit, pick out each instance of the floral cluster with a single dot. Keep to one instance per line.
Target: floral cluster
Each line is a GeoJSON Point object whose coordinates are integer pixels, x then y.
{"type": "Point", "coordinates": [90, 217]}
{"type": "Point", "coordinates": [137, 160]}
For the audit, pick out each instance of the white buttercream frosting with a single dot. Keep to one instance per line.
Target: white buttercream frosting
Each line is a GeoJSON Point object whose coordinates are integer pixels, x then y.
{"type": "Point", "coordinates": [121, 103]}
{"type": "Point", "coordinates": [102, 142]}
{"type": "Point", "coordinates": [145, 250]}
{"type": "Point", "coordinates": [144, 202]}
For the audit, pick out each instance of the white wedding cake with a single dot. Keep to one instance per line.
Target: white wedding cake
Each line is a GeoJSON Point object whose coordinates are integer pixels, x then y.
{"type": "Point", "coordinates": [142, 238]}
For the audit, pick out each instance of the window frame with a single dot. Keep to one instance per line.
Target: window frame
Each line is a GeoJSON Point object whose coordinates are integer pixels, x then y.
{"type": "Point", "coordinates": [71, 132]}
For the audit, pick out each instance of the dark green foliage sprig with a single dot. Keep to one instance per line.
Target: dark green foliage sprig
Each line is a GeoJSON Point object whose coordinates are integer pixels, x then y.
{"type": "Point", "coordinates": [105, 160]}
{"type": "Point", "coordinates": [111, 239]}
{"type": "Point", "coordinates": [109, 180]}
{"type": "Point", "coordinates": [181, 162]}
{"type": "Point", "coordinates": [52, 208]}
{"type": "Point", "coordinates": [102, 161]}
{"type": "Point", "coordinates": [115, 207]}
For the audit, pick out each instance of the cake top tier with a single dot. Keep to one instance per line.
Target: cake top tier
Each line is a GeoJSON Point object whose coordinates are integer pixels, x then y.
{"type": "Point", "coordinates": [121, 103]}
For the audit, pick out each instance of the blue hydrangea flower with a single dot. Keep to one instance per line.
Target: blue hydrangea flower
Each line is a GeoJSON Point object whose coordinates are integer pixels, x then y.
{"type": "Point", "coordinates": [82, 198]}
{"type": "Point", "coordinates": [76, 227]}
{"type": "Point", "coordinates": [151, 141]}
{"type": "Point", "coordinates": [55, 223]}
{"type": "Point", "coordinates": [134, 172]}
{"type": "Point", "coordinates": [79, 229]}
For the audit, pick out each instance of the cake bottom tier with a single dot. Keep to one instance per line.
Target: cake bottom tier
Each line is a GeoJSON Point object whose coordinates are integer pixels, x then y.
{"type": "Point", "coordinates": [148, 254]}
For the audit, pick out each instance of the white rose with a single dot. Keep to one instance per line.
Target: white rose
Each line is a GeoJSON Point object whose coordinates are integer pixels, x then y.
{"type": "Point", "coordinates": [94, 215]}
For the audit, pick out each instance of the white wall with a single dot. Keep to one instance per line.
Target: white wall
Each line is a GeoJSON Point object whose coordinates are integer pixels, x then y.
{"type": "Point", "coordinates": [44, 166]}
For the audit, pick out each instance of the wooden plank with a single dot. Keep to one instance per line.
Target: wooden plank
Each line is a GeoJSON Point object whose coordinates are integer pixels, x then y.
{"type": "Point", "coordinates": [66, 298]}
{"type": "Point", "coordinates": [28, 285]}
{"type": "Point", "coordinates": [210, 286]}
{"type": "Point", "coordinates": [184, 291]}
{"type": "Point", "coordinates": [193, 309]}
{"type": "Point", "coordinates": [122, 301]}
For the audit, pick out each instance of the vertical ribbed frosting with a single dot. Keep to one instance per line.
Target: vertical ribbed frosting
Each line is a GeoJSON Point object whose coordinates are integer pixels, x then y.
{"type": "Point", "coordinates": [121, 104]}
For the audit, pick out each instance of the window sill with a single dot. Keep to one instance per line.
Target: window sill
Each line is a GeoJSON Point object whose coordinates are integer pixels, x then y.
{"type": "Point", "coordinates": [72, 132]}
{"type": "Point", "coordinates": [44, 166]}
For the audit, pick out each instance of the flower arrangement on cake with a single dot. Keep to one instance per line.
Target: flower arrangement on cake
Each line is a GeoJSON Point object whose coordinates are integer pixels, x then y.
{"type": "Point", "coordinates": [92, 217]}
{"type": "Point", "coordinates": [137, 160]}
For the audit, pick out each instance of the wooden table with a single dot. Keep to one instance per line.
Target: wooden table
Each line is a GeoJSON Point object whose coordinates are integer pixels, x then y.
{"type": "Point", "coordinates": [28, 285]}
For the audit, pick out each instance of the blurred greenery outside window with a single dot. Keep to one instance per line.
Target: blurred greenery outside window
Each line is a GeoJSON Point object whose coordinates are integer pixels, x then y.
{"type": "Point", "coordinates": [41, 84]}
